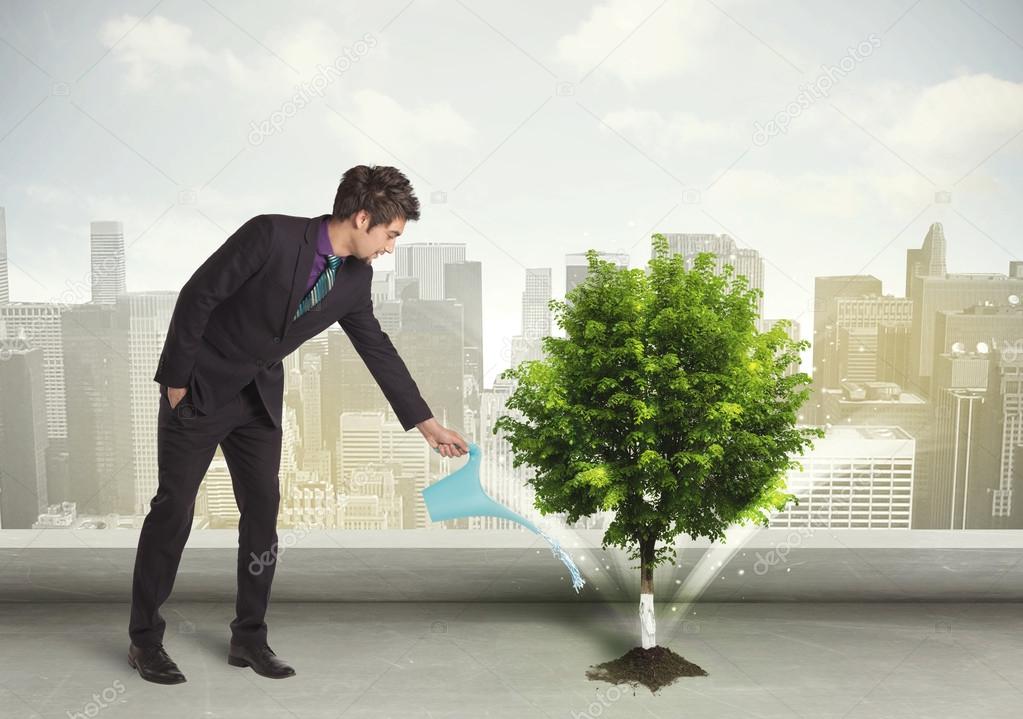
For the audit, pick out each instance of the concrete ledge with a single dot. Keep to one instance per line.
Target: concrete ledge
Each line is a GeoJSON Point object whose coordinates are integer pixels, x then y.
{"type": "Point", "coordinates": [790, 565]}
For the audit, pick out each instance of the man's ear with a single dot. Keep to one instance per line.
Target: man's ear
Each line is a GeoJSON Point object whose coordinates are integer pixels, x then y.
{"type": "Point", "coordinates": [361, 219]}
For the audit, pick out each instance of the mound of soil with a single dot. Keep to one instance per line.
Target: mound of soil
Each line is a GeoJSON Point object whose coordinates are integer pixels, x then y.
{"type": "Point", "coordinates": [654, 668]}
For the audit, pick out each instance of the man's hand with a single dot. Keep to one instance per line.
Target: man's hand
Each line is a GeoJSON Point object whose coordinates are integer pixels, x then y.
{"type": "Point", "coordinates": [175, 394]}
{"type": "Point", "coordinates": [448, 442]}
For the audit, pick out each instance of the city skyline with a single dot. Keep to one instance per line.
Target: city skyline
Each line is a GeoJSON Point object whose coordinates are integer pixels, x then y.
{"type": "Point", "coordinates": [867, 349]}
{"type": "Point", "coordinates": [861, 166]}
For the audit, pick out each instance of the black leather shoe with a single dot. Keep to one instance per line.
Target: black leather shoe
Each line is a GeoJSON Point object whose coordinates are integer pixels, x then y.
{"type": "Point", "coordinates": [154, 665]}
{"type": "Point", "coordinates": [262, 660]}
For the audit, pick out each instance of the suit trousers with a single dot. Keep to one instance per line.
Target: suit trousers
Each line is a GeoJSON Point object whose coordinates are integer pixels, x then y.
{"type": "Point", "coordinates": [187, 440]}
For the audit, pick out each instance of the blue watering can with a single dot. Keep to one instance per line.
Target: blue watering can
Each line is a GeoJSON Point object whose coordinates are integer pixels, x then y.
{"type": "Point", "coordinates": [460, 494]}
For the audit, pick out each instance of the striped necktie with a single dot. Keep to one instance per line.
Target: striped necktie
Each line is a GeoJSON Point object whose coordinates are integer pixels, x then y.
{"type": "Point", "coordinates": [321, 287]}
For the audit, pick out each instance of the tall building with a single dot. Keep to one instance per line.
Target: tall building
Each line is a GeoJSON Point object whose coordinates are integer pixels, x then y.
{"type": "Point", "coordinates": [932, 290]}
{"type": "Point", "coordinates": [987, 325]}
{"type": "Point", "coordinates": [887, 404]}
{"type": "Point", "coordinates": [952, 292]}
{"type": "Point", "coordinates": [432, 345]}
{"type": "Point", "coordinates": [99, 443]}
{"type": "Point", "coordinates": [463, 283]}
{"type": "Point", "coordinates": [149, 316]}
{"type": "Point", "coordinates": [23, 436]}
{"type": "Point", "coordinates": [855, 477]}
{"type": "Point", "coordinates": [962, 450]}
{"type": "Point", "coordinates": [425, 262]}
{"type": "Point", "coordinates": [827, 292]}
{"type": "Point", "coordinates": [438, 323]}
{"type": "Point", "coordinates": [312, 419]}
{"type": "Point", "coordinates": [536, 317]}
{"type": "Point", "coordinates": [894, 352]}
{"type": "Point", "coordinates": [577, 267]}
{"type": "Point", "coordinates": [856, 329]}
{"type": "Point", "coordinates": [371, 501]}
{"type": "Point", "coordinates": [106, 240]}
{"type": "Point", "coordinates": [1004, 431]}
{"type": "Point", "coordinates": [746, 261]}
{"type": "Point", "coordinates": [371, 442]}
{"type": "Point", "coordinates": [824, 346]}
{"type": "Point", "coordinates": [505, 483]}
{"type": "Point", "coordinates": [928, 260]}
{"type": "Point", "coordinates": [5, 287]}
{"type": "Point", "coordinates": [219, 501]}
{"type": "Point", "coordinates": [38, 324]}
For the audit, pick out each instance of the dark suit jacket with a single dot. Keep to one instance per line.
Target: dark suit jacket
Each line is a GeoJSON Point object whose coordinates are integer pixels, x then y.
{"type": "Point", "coordinates": [232, 320]}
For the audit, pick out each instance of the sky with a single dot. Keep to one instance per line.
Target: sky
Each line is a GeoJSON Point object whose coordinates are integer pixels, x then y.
{"type": "Point", "coordinates": [826, 135]}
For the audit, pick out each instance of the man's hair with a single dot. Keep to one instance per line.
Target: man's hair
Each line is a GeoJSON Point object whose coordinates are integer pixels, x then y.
{"type": "Point", "coordinates": [384, 192]}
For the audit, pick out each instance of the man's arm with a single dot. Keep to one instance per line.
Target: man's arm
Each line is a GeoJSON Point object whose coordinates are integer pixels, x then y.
{"type": "Point", "coordinates": [386, 366]}
{"type": "Point", "coordinates": [240, 257]}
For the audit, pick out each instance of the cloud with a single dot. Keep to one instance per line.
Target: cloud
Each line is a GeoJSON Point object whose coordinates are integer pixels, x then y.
{"type": "Point", "coordinates": [157, 50]}
{"type": "Point", "coordinates": [666, 43]}
{"type": "Point", "coordinates": [666, 131]}
{"type": "Point", "coordinates": [943, 130]}
{"type": "Point", "coordinates": [960, 117]}
{"type": "Point", "coordinates": [429, 138]}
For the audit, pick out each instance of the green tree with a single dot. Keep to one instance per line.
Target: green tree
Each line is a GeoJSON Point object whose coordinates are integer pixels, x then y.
{"type": "Point", "coordinates": [664, 404]}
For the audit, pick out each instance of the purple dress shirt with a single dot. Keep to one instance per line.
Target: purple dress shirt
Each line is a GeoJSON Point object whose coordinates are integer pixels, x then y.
{"type": "Point", "coordinates": [323, 248]}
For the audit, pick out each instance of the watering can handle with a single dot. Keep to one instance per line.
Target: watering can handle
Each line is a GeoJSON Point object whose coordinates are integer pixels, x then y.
{"type": "Point", "coordinates": [473, 449]}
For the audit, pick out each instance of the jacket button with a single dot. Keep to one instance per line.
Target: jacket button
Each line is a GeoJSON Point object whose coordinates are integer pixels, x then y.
{"type": "Point", "coordinates": [277, 340]}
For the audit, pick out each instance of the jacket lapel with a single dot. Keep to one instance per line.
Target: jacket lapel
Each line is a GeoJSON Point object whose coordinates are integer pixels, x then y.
{"type": "Point", "coordinates": [304, 265]}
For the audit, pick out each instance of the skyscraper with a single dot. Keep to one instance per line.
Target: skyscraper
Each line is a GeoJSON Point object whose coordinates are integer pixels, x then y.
{"type": "Point", "coordinates": [577, 267]}
{"type": "Point", "coordinates": [149, 316]}
{"type": "Point", "coordinates": [23, 436]}
{"type": "Point", "coordinates": [1004, 406]}
{"type": "Point", "coordinates": [746, 262]}
{"type": "Point", "coordinates": [932, 290]}
{"type": "Point", "coordinates": [425, 261]}
{"type": "Point", "coordinates": [536, 316]}
{"type": "Point", "coordinates": [38, 324]}
{"type": "Point", "coordinates": [5, 289]}
{"type": "Point", "coordinates": [106, 239]}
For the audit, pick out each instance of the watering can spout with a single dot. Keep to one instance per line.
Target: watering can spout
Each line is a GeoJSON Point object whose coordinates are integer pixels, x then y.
{"type": "Point", "coordinates": [460, 494]}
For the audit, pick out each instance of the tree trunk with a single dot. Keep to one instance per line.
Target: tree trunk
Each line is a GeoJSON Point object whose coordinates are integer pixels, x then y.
{"type": "Point", "coordinates": [647, 621]}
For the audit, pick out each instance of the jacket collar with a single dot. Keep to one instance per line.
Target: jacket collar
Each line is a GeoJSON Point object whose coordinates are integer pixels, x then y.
{"type": "Point", "coordinates": [304, 265]}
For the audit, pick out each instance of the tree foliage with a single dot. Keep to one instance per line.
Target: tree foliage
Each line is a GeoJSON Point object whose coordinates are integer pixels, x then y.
{"type": "Point", "coordinates": [662, 403]}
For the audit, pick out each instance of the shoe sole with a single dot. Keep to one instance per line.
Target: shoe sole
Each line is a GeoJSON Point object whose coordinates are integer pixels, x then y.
{"type": "Point", "coordinates": [239, 662]}
{"type": "Point", "coordinates": [134, 666]}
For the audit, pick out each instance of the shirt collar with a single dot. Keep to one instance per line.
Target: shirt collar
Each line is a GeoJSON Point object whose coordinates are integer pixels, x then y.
{"type": "Point", "coordinates": [323, 241]}
{"type": "Point", "coordinates": [323, 245]}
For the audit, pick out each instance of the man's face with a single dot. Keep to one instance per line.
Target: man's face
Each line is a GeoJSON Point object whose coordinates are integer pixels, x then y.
{"type": "Point", "coordinates": [372, 243]}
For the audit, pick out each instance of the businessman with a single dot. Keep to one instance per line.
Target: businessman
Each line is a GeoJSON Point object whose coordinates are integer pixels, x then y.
{"type": "Point", "coordinates": [273, 284]}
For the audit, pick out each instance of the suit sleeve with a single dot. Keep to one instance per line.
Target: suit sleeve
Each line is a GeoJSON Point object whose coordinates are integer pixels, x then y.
{"type": "Point", "coordinates": [240, 257]}
{"type": "Point", "coordinates": [388, 369]}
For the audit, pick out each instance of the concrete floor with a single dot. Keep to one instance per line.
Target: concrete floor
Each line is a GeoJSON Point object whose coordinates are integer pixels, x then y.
{"type": "Point", "coordinates": [464, 659]}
